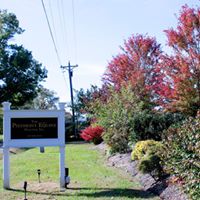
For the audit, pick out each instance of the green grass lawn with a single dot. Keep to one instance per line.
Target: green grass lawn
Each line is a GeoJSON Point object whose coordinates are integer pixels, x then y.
{"type": "Point", "coordinates": [90, 177]}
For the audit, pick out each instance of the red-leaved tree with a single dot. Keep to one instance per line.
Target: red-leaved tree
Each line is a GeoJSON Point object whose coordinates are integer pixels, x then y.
{"type": "Point", "coordinates": [134, 65]}
{"type": "Point", "coordinates": [177, 84]}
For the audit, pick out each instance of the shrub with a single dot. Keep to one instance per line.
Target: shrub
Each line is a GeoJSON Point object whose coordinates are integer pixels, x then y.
{"type": "Point", "coordinates": [182, 157]}
{"type": "Point", "coordinates": [147, 147]}
{"type": "Point", "coordinates": [148, 154]}
{"type": "Point", "coordinates": [150, 125]}
{"type": "Point", "coordinates": [116, 116]}
{"type": "Point", "coordinates": [93, 134]}
{"type": "Point", "coordinates": [151, 164]}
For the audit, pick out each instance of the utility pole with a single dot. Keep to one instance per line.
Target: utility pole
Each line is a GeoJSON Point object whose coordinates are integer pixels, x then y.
{"type": "Point", "coordinates": [70, 72]}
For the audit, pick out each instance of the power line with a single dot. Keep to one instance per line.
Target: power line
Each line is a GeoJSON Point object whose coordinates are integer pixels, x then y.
{"type": "Point", "coordinates": [69, 67]}
{"type": "Point", "coordinates": [54, 43]}
{"type": "Point", "coordinates": [64, 25]}
{"type": "Point", "coordinates": [53, 23]}
{"type": "Point", "coordinates": [74, 30]}
{"type": "Point", "coordinates": [51, 33]}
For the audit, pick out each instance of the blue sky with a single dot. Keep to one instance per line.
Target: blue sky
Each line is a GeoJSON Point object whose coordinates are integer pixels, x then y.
{"type": "Point", "coordinates": [88, 33]}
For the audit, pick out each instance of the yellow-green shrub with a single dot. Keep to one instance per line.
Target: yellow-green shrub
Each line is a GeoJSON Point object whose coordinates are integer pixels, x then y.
{"type": "Point", "coordinates": [148, 153]}
{"type": "Point", "coordinates": [146, 147]}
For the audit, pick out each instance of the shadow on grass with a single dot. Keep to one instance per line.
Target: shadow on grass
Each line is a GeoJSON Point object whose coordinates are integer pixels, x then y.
{"type": "Point", "coordinates": [158, 187]}
{"type": "Point", "coordinates": [95, 193]}
{"type": "Point", "coordinates": [115, 192]}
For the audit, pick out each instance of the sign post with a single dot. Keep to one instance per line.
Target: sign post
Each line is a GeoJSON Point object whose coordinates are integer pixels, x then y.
{"type": "Point", "coordinates": [6, 156]}
{"type": "Point", "coordinates": [33, 128]}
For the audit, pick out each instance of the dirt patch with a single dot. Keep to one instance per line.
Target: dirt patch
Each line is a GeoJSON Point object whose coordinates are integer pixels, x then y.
{"type": "Point", "coordinates": [163, 189]}
{"type": "Point", "coordinates": [46, 187]}
{"type": "Point", "coordinates": [43, 191]}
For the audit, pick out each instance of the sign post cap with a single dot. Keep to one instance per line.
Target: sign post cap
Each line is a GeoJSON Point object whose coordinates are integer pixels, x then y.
{"type": "Point", "coordinates": [6, 105]}
{"type": "Point", "coordinates": [62, 105]}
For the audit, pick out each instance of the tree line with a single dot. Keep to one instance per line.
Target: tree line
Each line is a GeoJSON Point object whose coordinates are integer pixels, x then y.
{"type": "Point", "coordinates": [20, 74]}
{"type": "Point", "coordinates": [149, 104]}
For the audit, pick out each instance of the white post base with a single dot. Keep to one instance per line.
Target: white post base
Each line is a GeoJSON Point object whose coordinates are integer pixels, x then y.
{"type": "Point", "coordinates": [6, 168]}
{"type": "Point", "coordinates": [62, 167]}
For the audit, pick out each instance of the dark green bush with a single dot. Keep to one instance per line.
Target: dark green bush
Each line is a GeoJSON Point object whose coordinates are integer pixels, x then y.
{"type": "Point", "coordinates": [182, 154]}
{"type": "Point", "coordinates": [150, 125]}
{"type": "Point", "coordinates": [69, 134]}
{"type": "Point", "coordinates": [151, 164]}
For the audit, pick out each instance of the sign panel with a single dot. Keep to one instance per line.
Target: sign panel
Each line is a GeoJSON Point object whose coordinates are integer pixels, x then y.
{"type": "Point", "coordinates": [34, 128]}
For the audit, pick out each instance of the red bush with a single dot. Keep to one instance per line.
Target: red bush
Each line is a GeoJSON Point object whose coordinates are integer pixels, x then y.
{"type": "Point", "coordinates": [93, 134]}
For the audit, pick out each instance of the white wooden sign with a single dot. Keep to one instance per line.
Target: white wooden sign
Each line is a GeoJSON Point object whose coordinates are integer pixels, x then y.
{"type": "Point", "coordinates": [33, 128]}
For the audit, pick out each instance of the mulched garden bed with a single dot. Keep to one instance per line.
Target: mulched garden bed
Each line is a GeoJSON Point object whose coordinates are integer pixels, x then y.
{"type": "Point", "coordinates": [164, 189]}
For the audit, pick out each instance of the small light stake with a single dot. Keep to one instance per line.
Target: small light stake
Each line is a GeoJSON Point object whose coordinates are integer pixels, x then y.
{"type": "Point", "coordinates": [25, 187]}
{"type": "Point", "coordinates": [66, 172]}
{"type": "Point", "coordinates": [39, 172]}
{"type": "Point", "coordinates": [67, 178]}
{"type": "Point", "coordinates": [41, 149]}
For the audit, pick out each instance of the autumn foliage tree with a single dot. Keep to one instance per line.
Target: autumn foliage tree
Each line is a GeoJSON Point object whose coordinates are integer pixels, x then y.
{"type": "Point", "coordinates": [177, 83]}
{"type": "Point", "coordinates": [134, 65]}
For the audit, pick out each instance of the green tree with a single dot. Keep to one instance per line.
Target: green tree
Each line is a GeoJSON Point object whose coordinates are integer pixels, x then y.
{"type": "Point", "coordinates": [20, 73]}
{"type": "Point", "coordinates": [46, 99]}
{"type": "Point", "coordinates": [116, 117]}
{"type": "Point", "coordinates": [83, 99]}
